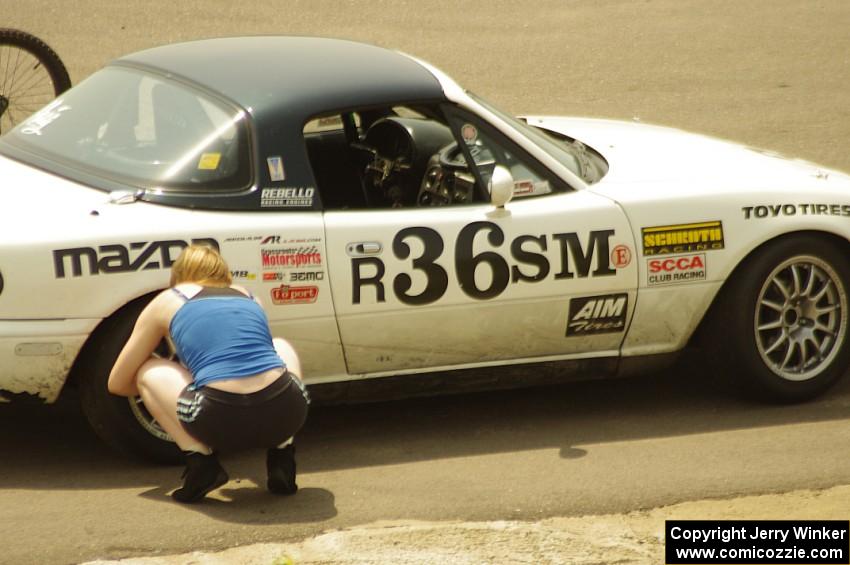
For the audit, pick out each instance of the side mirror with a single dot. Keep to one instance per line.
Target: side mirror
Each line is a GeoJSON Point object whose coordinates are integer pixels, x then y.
{"type": "Point", "coordinates": [501, 186]}
{"type": "Point", "coordinates": [125, 196]}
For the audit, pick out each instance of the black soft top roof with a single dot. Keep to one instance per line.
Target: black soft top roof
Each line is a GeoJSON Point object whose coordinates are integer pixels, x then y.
{"type": "Point", "coordinates": [294, 76]}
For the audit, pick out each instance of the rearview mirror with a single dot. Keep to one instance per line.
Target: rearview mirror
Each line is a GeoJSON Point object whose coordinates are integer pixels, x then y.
{"type": "Point", "coordinates": [501, 186]}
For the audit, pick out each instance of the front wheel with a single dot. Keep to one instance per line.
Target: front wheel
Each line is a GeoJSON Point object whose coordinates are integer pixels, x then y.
{"type": "Point", "coordinates": [784, 319]}
{"type": "Point", "coordinates": [123, 423]}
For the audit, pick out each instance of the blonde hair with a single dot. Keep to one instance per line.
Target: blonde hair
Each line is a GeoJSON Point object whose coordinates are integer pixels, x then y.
{"type": "Point", "coordinates": [201, 265]}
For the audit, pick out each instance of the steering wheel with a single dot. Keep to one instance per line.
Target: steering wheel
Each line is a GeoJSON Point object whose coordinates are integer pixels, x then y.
{"type": "Point", "coordinates": [382, 176]}
{"type": "Point", "coordinates": [447, 179]}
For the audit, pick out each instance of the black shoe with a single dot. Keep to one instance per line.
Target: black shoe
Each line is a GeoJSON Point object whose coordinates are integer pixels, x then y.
{"type": "Point", "coordinates": [203, 474]}
{"type": "Point", "coordinates": [280, 464]}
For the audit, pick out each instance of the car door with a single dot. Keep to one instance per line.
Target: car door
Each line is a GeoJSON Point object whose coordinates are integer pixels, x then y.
{"type": "Point", "coordinates": [548, 276]}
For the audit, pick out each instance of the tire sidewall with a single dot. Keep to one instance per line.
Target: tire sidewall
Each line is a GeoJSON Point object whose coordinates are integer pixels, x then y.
{"type": "Point", "coordinates": [109, 415]}
{"type": "Point", "coordinates": [739, 318]}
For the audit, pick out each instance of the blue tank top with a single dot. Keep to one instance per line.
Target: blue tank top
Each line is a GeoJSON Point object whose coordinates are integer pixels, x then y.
{"type": "Point", "coordinates": [222, 334]}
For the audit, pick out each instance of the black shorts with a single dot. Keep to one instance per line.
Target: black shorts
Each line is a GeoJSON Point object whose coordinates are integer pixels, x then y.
{"type": "Point", "coordinates": [229, 421]}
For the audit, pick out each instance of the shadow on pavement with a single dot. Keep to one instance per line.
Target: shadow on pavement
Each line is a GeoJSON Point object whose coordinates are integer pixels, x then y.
{"type": "Point", "coordinates": [39, 440]}
{"type": "Point", "coordinates": [251, 504]}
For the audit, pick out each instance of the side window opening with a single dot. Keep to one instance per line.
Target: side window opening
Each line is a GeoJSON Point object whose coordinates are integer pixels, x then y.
{"type": "Point", "coordinates": [413, 156]}
{"type": "Point", "coordinates": [486, 149]}
{"type": "Point", "coordinates": [375, 158]}
{"type": "Point", "coordinates": [328, 141]}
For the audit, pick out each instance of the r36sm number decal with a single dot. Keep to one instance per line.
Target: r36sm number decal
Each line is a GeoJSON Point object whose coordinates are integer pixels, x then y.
{"type": "Point", "coordinates": [530, 264]}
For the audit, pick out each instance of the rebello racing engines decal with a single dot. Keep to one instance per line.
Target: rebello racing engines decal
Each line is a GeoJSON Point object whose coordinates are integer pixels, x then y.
{"type": "Point", "coordinates": [529, 265]}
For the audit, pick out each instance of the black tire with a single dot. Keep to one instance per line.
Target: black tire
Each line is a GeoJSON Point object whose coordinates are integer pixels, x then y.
{"type": "Point", "coordinates": [782, 340]}
{"type": "Point", "coordinates": [31, 75]}
{"type": "Point", "coordinates": [122, 423]}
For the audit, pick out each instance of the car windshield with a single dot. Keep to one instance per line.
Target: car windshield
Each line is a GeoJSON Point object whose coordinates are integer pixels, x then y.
{"type": "Point", "coordinates": [144, 130]}
{"type": "Point", "coordinates": [566, 154]}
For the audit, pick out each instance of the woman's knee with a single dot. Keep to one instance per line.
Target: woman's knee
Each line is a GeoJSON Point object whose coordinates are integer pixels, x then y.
{"type": "Point", "coordinates": [155, 374]}
{"type": "Point", "coordinates": [287, 354]}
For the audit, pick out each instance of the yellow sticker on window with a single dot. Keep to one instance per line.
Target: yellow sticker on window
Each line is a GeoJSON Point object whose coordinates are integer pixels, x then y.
{"type": "Point", "coordinates": [209, 161]}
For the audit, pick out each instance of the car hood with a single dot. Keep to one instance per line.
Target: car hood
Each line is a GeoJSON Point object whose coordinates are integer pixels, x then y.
{"type": "Point", "coordinates": [642, 153]}
{"type": "Point", "coordinates": [36, 205]}
{"type": "Point", "coordinates": [42, 214]}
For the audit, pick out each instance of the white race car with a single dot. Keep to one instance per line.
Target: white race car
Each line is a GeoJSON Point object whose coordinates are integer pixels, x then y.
{"type": "Point", "coordinates": [393, 223]}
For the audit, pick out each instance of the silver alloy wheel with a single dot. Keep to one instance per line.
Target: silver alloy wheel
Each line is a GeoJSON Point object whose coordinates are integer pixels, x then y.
{"type": "Point", "coordinates": [164, 351]}
{"type": "Point", "coordinates": [800, 318]}
{"type": "Point", "coordinates": [148, 422]}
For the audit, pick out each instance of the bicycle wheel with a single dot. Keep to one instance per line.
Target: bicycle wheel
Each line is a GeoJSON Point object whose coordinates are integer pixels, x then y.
{"type": "Point", "coordinates": [31, 75]}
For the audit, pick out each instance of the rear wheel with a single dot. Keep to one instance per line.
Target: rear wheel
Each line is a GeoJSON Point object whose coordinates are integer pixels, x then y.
{"type": "Point", "coordinates": [31, 75]}
{"type": "Point", "coordinates": [784, 320]}
{"type": "Point", "coordinates": [123, 423]}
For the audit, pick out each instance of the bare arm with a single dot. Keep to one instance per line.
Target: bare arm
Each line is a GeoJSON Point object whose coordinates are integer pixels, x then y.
{"type": "Point", "coordinates": [147, 333]}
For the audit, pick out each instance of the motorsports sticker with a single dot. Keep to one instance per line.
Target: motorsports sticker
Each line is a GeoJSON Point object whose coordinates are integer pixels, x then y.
{"type": "Point", "coordinates": [591, 315]}
{"type": "Point", "coordinates": [672, 270]}
{"type": "Point", "coordinates": [682, 238]}
{"type": "Point", "coordinates": [289, 257]}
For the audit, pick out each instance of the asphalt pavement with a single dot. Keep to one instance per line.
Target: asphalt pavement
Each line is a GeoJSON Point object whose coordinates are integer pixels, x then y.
{"type": "Point", "coordinates": [774, 75]}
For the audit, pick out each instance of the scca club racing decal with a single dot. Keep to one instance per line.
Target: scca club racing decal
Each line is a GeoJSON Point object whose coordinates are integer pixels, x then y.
{"type": "Point", "coordinates": [686, 268]}
{"type": "Point", "coordinates": [597, 314]}
{"type": "Point", "coordinates": [682, 238]}
{"type": "Point", "coordinates": [529, 263]}
{"type": "Point", "coordinates": [117, 258]}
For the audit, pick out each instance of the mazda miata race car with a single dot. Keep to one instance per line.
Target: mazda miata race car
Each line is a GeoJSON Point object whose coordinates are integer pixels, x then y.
{"type": "Point", "coordinates": [393, 223]}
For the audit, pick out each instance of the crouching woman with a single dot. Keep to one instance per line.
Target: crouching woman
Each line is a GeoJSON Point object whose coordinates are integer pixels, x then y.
{"type": "Point", "coordinates": [239, 388]}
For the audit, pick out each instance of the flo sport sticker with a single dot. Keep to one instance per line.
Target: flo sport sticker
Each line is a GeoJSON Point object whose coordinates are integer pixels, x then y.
{"type": "Point", "coordinates": [285, 294]}
{"type": "Point", "coordinates": [682, 238]}
{"type": "Point", "coordinates": [601, 314]}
